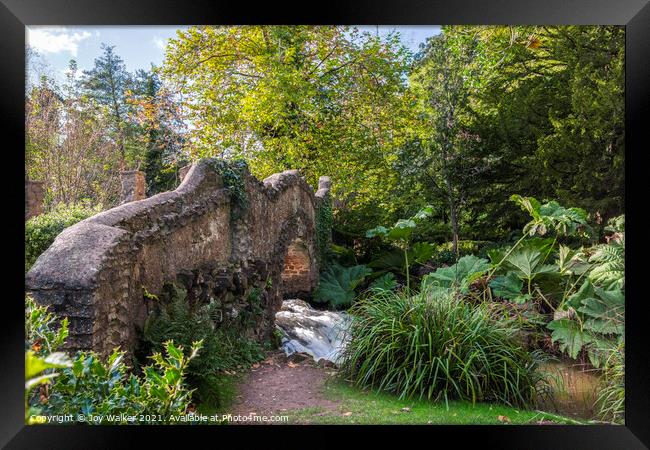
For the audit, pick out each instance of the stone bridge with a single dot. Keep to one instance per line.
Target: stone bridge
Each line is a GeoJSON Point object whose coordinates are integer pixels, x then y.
{"type": "Point", "coordinates": [220, 243]}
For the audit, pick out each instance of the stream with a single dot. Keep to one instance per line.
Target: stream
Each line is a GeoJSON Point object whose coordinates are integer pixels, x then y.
{"type": "Point", "coordinates": [575, 389]}
{"type": "Point", "coordinates": [321, 334]}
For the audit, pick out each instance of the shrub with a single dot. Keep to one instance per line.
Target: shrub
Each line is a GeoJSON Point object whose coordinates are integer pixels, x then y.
{"type": "Point", "coordinates": [401, 233]}
{"type": "Point", "coordinates": [225, 349]}
{"type": "Point", "coordinates": [592, 319]}
{"type": "Point", "coordinates": [436, 347]}
{"type": "Point", "coordinates": [40, 231]}
{"type": "Point", "coordinates": [87, 385]}
{"type": "Point", "coordinates": [91, 386]}
{"type": "Point", "coordinates": [42, 336]}
{"type": "Point", "coordinates": [458, 276]}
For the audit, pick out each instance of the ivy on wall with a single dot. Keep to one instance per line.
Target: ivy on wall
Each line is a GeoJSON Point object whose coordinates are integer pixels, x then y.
{"type": "Point", "coordinates": [324, 220]}
{"type": "Point", "coordinates": [233, 175]}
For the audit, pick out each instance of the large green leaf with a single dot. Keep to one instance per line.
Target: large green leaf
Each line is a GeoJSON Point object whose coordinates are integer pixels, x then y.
{"type": "Point", "coordinates": [585, 291]}
{"type": "Point", "coordinates": [496, 255]}
{"type": "Point", "coordinates": [527, 260]}
{"type": "Point", "coordinates": [571, 262]}
{"type": "Point", "coordinates": [529, 204]}
{"type": "Point", "coordinates": [337, 284]}
{"type": "Point", "coordinates": [600, 314]}
{"type": "Point", "coordinates": [564, 220]}
{"type": "Point", "coordinates": [424, 213]}
{"type": "Point", "coordinates": [570, 336]}
{"type": "Point", "coordinates": [460, 274]}
{"type": "Point", "coordinates": [402, 230]}
{"type": "Point", "coordinates": [421, 252]}
{"type": "Point", "coordinates": [551, 216]}
{"type": "Point", "coordinates": [389, 260]}
{"type": "Point", "coordinates": [384, 283]}
{"type": "Point", "coordinates": [377, 231]}
{"type": "Point", "coordinates": [605, 311]}
{"type": "Point", "coordinates": [507, 286]}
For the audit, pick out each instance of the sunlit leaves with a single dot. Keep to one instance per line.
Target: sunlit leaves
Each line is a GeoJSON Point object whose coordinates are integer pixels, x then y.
{"type": "Point", "coordinates": [325, 100]}
{"type": "Point", "coordinates": [551, 217]}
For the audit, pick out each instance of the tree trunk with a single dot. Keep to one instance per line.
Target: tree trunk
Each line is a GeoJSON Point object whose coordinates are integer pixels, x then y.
{"type": "Point", "coordinates": [453, 217]}
{"type": "Point", "coordinates": [453, 205]}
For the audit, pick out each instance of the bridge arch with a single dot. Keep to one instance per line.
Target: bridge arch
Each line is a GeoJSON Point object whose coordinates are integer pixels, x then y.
{"type": "Point", "coordinates": [97, 271]}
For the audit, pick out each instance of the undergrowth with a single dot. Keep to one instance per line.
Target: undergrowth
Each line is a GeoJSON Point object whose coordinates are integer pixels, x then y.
{"type": "Point", "coordinates": [225, 349]}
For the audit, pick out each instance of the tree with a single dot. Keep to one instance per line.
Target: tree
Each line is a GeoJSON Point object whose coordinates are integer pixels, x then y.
{"type": "Point", "coordinates": [155, 114]}
{"type": "Point", "coordinates": [440, 81]}
{"type": "Point", "coordinates": [67, 148]}
{"type": "Point", "coordinates": [324, 100]}
{"type": "Point", "coordinates": [541, 114]}
{"type": "Point", "coordinates": [106, 83]}
{"type": "Point", "coordinates": [548, 103]}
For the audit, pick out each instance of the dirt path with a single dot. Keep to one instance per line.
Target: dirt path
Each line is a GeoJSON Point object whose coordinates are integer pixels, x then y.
{"type": "Point", "coordinates": [282, 383]}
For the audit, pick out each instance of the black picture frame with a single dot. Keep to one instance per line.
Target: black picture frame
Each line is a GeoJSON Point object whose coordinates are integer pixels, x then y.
{"type": "Point", "coordinates": [633, 14]}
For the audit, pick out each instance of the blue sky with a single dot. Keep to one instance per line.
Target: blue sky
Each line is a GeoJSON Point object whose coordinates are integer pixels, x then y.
{"type": "Point", "coordinates": [139, 46]}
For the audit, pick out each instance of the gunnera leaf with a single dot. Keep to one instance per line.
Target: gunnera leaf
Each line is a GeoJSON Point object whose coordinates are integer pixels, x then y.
{"type": "Point", "coordinates": [458, 274]}
{"type": "Point", "coordinates": [384, 283]}
{"type": "Point", "coordinates": [570, 336]}
{"type": "Point", "coordinates": [507, 286]}
{"type": "Point", "coordinates": [337, 284]}
{"type": "Point", "coordinates": [421, 252]}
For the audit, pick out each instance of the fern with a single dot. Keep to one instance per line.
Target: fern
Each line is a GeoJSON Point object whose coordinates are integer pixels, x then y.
{"type": "Point", "coordinates": [225, 347]}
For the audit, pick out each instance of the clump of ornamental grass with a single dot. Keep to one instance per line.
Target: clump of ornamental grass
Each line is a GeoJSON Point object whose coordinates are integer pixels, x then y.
{"type": "Point", "coordinates": [434, 345]}
{"type": "Point", "coordinates": [611, 398]}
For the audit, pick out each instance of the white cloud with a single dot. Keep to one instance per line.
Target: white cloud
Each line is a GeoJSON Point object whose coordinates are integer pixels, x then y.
{"type": "Point", "coordinates": [55, 39]}
{"type": "Point", "coordinates": [160, 42]}
{"type": "Point", "coordinates": [66, 73]}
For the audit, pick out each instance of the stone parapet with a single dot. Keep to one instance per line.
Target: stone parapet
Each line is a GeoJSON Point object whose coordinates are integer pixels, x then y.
{"type": "Point", "coordinates": [97, 271]}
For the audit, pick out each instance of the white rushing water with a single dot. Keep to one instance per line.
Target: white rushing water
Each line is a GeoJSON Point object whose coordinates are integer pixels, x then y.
{"type": "Point", "coordinates": [321, 334]}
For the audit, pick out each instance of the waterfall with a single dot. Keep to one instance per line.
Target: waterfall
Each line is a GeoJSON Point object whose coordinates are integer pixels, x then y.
{"type": "Point", "coordinates": [320, 334]}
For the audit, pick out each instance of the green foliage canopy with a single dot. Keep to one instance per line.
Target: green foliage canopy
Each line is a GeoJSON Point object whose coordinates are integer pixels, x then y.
{"type": "Point", "coordinates": [325, 100]}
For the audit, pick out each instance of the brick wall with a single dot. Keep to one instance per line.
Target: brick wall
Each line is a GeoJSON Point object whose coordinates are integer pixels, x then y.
{"type": "Point", "coordinates": [297, 271]}
{"type": "Point", "coordinates": [134, 186]}
{"type": "Point", "coordinates": [34, 192]}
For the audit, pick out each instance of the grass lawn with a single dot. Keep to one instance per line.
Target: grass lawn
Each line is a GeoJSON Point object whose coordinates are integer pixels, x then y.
{"type": "Point", "coordinates": [365, 407]}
